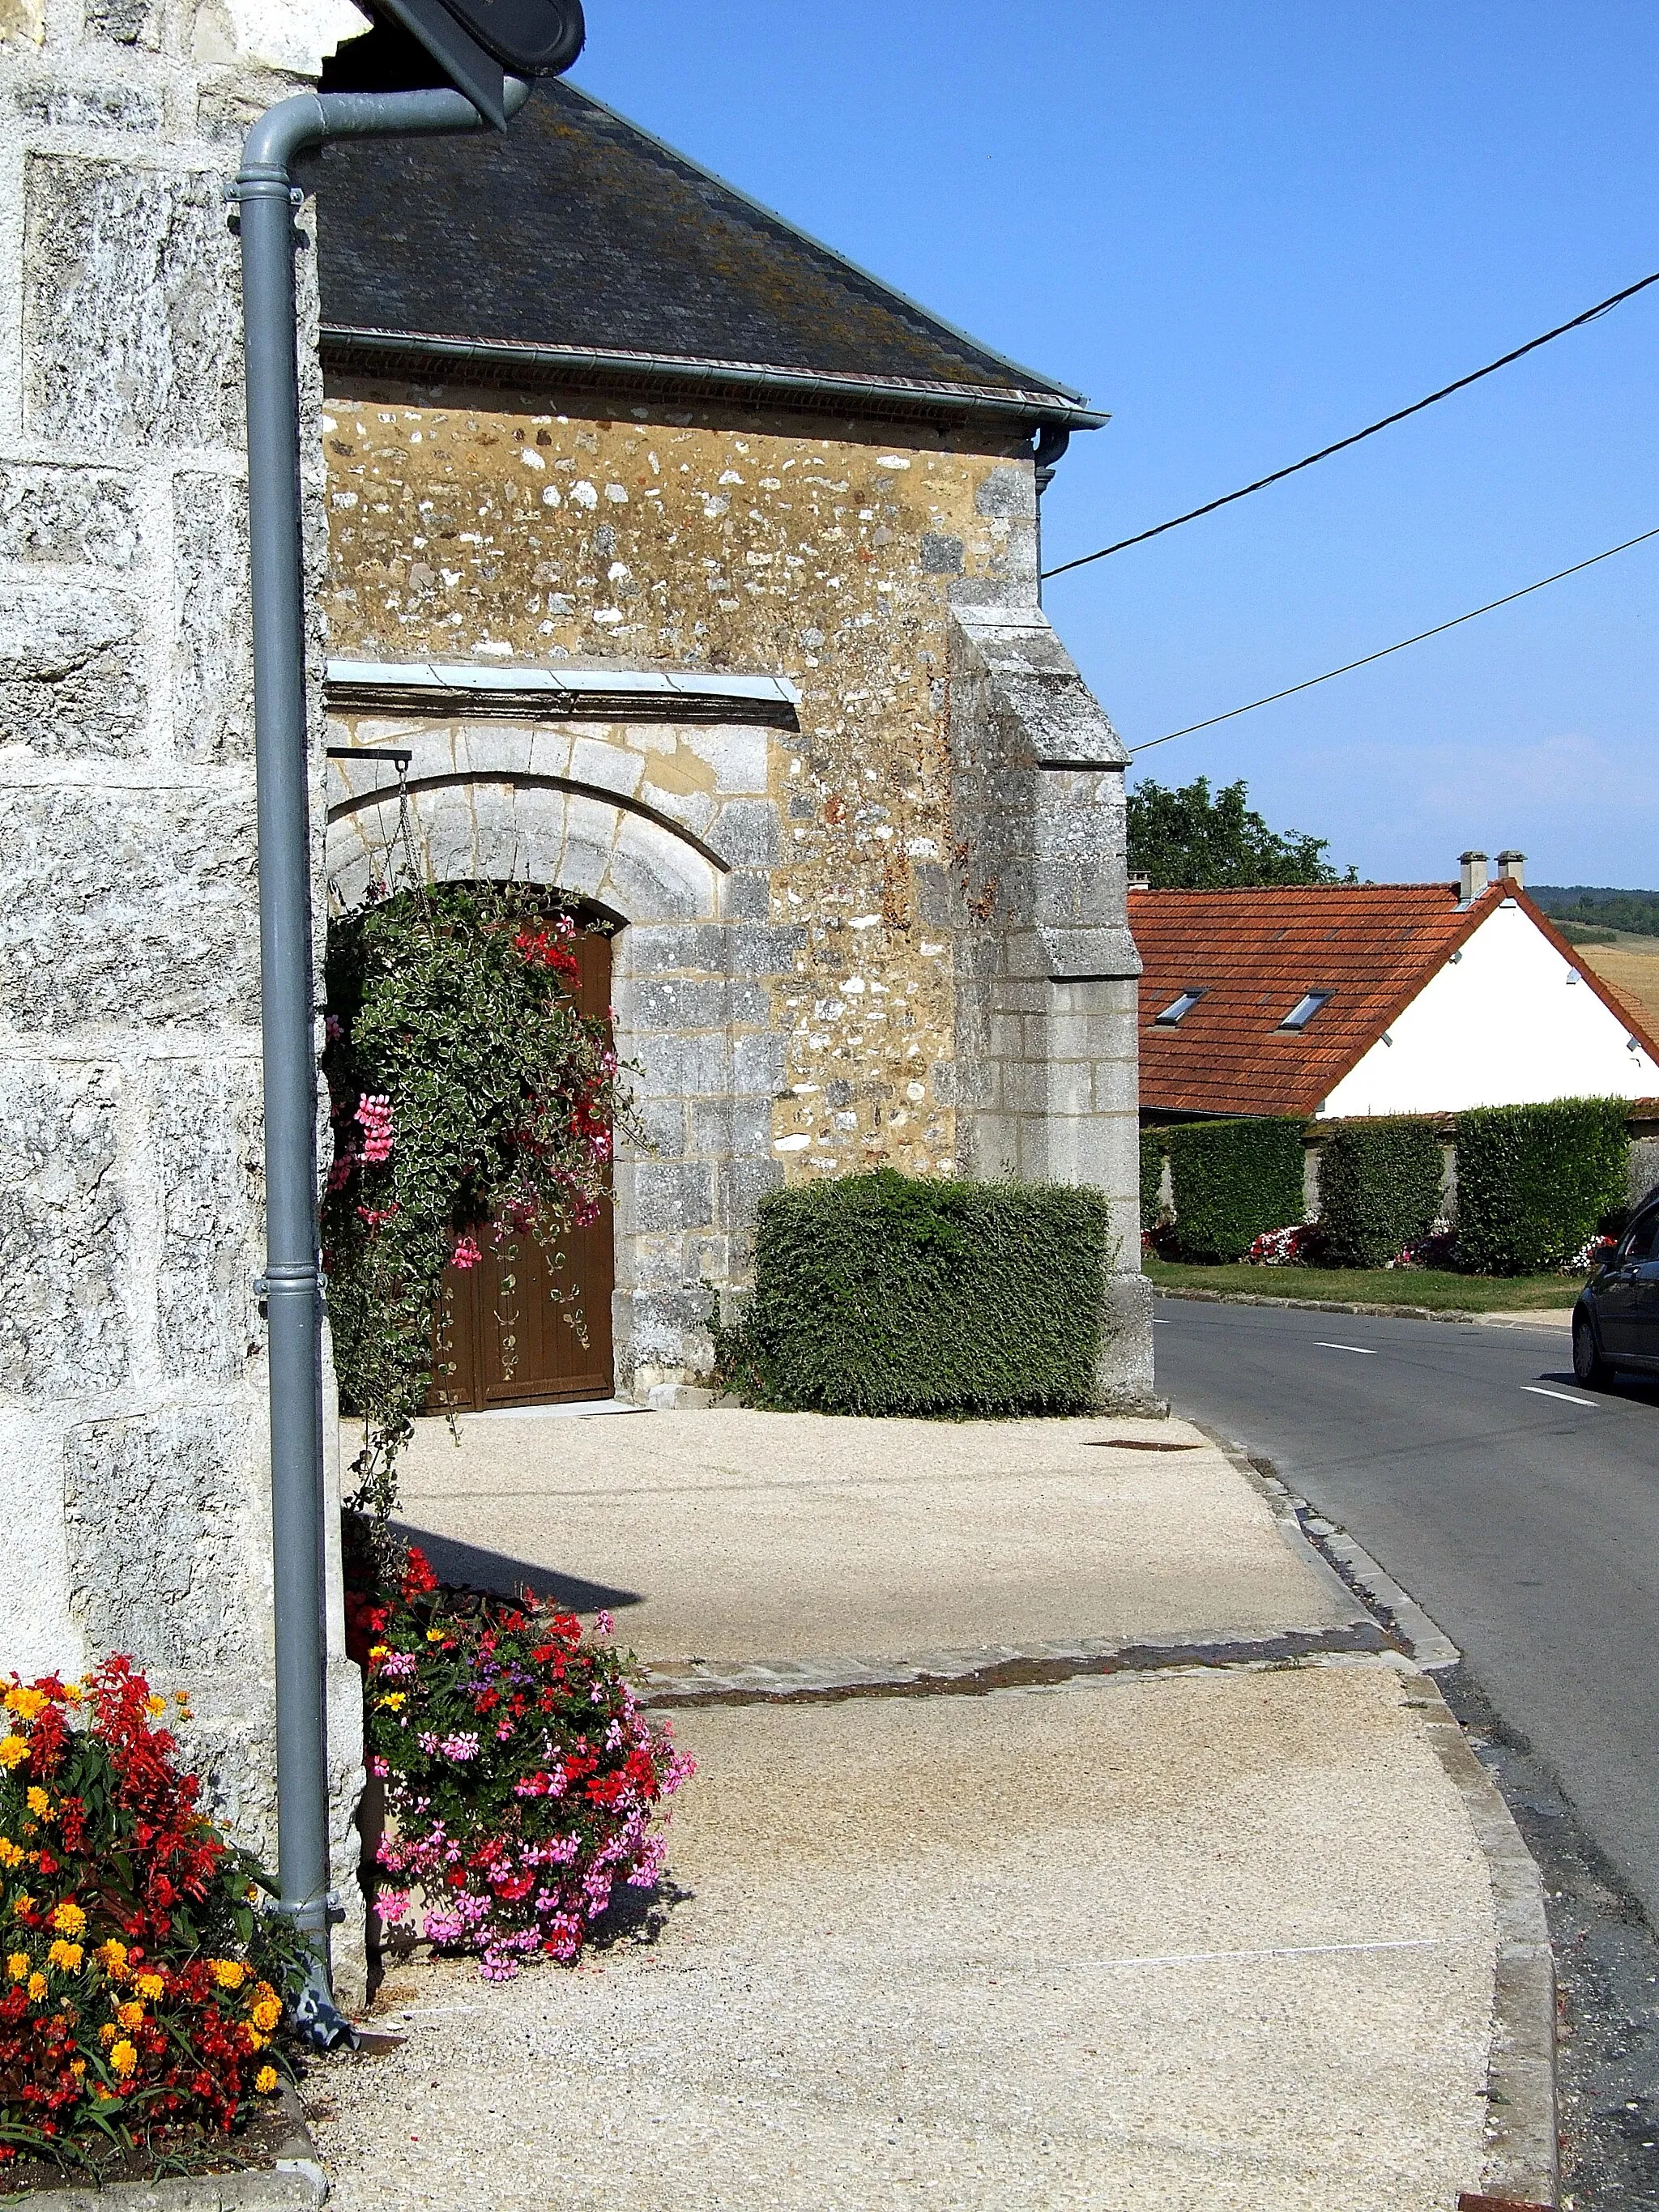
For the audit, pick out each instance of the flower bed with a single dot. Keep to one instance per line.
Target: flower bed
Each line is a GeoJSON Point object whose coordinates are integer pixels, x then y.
{"type": "Point", "coordinates": [521, 1777]}
{"type": "Point", "coordinates": [141, 1987]}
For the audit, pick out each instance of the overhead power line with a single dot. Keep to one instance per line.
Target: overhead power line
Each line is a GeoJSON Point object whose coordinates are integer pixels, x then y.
{"type": "Point", "coordinates": [1365, 660]}
{"type": "Point", "coordinates": [1388, 422]}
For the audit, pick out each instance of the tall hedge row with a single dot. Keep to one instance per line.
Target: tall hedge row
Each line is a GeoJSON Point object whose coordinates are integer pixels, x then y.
{"type": "Point", "coordinates": [1232, 1182]}
{"type": "Point", "coordinates": [880, 1294]}
{"type": "Point", "coordinates": [1534, 1183]}
{"type": "Point", "coordinates": [1380, 1189]}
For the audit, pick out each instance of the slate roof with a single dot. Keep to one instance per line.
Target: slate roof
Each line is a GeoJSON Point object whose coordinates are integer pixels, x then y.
{"type": "Point", "coordinates": [1255, 953]}
{"type": "Point", "coordinates": [575, 240]}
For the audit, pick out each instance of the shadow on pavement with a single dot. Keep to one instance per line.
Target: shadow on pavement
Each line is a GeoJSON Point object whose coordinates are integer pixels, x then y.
{"type": "Point", "coordinates": [471, 1568]}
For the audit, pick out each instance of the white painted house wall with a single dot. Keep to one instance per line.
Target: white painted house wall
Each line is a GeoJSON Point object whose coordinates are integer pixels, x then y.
{"type": "Point", "coordinates": [1510, 1023]}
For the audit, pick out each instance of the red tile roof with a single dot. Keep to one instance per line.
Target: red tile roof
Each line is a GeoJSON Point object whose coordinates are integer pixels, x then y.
{"type": "Point", "coordinates": [1255, 953]}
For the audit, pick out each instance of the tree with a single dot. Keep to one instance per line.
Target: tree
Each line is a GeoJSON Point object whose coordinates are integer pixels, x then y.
{"type": "Point", "coordinates": [1194, 838]}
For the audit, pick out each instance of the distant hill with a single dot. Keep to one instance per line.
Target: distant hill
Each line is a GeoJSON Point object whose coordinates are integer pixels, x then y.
{"type": "Point", "coordinates": [1600, 907]}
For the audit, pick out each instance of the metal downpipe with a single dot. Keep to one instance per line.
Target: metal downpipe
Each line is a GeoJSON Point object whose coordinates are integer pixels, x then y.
{"type": "Point", "coordinates": [266, 199]}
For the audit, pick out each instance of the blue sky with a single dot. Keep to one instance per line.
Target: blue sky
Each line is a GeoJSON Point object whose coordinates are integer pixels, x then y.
{"type": "Point", "coordinates": [1246, 230]}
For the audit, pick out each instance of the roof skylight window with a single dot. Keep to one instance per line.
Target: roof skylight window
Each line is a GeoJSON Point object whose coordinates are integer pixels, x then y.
{"type": "Point", "coordinates": [1178, 1009]}
{"type": "Point", "coordinates": [1304, 1010]}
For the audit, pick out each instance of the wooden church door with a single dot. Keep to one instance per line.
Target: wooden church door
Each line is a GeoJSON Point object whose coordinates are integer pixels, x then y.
{"type": "Point", "coordinates": [506, 1329]}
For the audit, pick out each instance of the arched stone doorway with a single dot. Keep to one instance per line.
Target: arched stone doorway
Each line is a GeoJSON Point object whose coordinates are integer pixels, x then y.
{"type": "Point", "coordinates": [673, 830]}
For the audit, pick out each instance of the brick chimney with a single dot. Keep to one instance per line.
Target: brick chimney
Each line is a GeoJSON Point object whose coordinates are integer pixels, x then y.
{"type": "Point", "coordinates": [1512, 870]}
{"type": "Point", "coordinates": [1472, 882]}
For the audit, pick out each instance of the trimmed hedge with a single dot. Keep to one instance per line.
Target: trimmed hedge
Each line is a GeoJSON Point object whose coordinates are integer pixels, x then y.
{"type": "Point", "coordinates": [1153, 1146]}
{"type": "Point", "coordinates": [880, 1294]}
{"type": "Point", "coordinates": [1380, 1185]}
{"type": "Point", "coordinates": [1534, 1183]}
{"type": "Point", "coordinates": [1233, 1181]}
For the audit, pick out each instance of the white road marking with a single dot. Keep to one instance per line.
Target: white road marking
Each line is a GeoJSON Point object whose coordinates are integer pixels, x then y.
{"type": "Point", "coordinates": [1364, 1350]}
{"type": "Point", "coordinates": [1539, 1391]}
{"type": "Point", "coordinates": [1284, 1951]}
{"type": "Point", "coordinates": [1162, 1324]}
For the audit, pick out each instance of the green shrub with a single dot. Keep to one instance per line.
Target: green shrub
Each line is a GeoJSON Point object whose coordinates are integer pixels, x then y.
{"type": "Point", "coordinates": [1233, 1181]}
{"type": "Point", "coordinates": [1379, 1190]}
{"type": "Point", "coordinates": [1154, 1144]}
{"type": "Point", "coordinates": [1534, 1183]}
{"type": "Point", "coordinates": [879, 1294]}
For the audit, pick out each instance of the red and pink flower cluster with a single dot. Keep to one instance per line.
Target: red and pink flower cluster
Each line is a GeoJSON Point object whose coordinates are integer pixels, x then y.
{"type": "Point", "coordinates": [522, 1778]}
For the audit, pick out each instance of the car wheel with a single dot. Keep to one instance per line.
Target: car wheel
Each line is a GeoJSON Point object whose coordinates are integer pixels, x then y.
{"type": "Point", "coordinates": [1588, 1364]}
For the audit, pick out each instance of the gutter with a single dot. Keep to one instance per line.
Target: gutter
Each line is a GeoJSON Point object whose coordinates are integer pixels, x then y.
{"type": "Point", "coordinates": [506, 360]}
{"type": "Point", "coordinates": [266, 198]}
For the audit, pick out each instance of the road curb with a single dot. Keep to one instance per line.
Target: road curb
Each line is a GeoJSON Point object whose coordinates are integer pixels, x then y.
{"type": "Point", "coordinates": [1523, 2150]}
{"type": "Point", "coordinates": [1548, 1317]}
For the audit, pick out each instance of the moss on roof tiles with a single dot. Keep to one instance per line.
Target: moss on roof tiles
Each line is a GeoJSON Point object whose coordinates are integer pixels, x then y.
{"type": "Point", "coordinates": [575, 229]}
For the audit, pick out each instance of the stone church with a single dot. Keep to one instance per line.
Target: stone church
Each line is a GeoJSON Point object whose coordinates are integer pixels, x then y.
{"type": "Point", "coordinates": [659, 555]}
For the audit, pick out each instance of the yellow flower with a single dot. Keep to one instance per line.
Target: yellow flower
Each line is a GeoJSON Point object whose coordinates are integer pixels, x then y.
{"type": "Point", "coordinates": [229, 1973]}
{"type": "Point", "coordinates": [69, 1920]}
{"type": "Point", "coordinates": [23, 1903]}
{"type": "Point", "coordinates": [149, 1987]}
{"type": "Point", "coordinates": [393, 1698]}
{"type": "Point", "coordinates": [112, 1956]}
{"type": "Point", "coordinates": [13, 1750]}
{"type": "Point", "coordinates": [29, 1704]}
{"type": "Point", "coordinates": [380, 1650]}
{"type": "Point", "coordinates": [435, 1636]}
{"type": "Point", "coordinates": [255, 2040]}
{"type": "Point", "coordinates": [39, 1802]}
{"type": "Point", "coordinates": [66, 1957]}
{"type": "Point", "coordinates": [11, 1854]}
{"type": "Point", "coordinates": [77, 2067]}
{"type": "Point", "coordinates": [266, 2014]}
{"type": "Point", "coordinates": [106, 2033]}
{"type": "Point", "coordinates": [74, 1692]}
{"type": "Point", "coordinates": [131, 2015]}
{"type": "Point", "coordinates": [156, 1704]}
{"type": "Point", "coordinates": [124, 2058]}
{"type": "Point", "coordinates": [265, 2081]}
{"type": "Point", "coordinates": [37, 1987]}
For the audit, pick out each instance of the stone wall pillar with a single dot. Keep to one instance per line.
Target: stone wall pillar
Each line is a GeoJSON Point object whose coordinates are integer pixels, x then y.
{"type": "Point", "coordinates": [132, 1382]}
{"type": "Point", "coordinates": [1048, 1067]}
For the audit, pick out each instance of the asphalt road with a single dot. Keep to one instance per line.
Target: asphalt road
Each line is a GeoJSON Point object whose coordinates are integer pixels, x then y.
{"type": "Point", "coordinates": [1521, 1512]}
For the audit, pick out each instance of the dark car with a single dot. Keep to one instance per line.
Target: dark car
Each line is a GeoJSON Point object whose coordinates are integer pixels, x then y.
{"type": "Point", "coordinates": [1615, 1323]}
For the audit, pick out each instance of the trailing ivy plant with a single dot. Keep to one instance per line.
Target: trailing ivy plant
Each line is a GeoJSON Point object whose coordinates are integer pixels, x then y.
{"type": "Point", "coordinates": [467, 1088]}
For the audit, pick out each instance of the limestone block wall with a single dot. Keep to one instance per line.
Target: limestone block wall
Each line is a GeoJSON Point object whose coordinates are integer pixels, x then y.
{"type": "Point", "coordinates": [131, 1348]}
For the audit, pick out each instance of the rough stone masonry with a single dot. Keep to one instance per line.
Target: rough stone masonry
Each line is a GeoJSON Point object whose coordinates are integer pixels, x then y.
{"type": "Point", "coordinates": [133, 1385]}
{"type": "Point", "coordinates": [887, 926]}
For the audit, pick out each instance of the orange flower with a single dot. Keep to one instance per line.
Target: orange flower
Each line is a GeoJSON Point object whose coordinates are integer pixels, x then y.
{"type": "Point", "coordinates": [17, 1964]}
{"type": "Point", "coordinates": [69, 1920]}
{"type": "Point", "coordinates": [267, 2014]}
{"type": "Point", "coordinates": [149, 1987]}
{"type": "Point", "coordinates": [106, 2033]}
{"type": "Point", "coordinates": [229, 1973]}
{"type": "Point", "coordinates": [123, 2058]}
{"type": "Point", "coordinates": [66, 1957]}
{"type": "Point", "coordinates": [265, 2079]}
{"type": "Point", "coordinates": [131, 2015]}
{"type": "Point", "coordinates": [39, 1803]}
{"type": "Point", "coordinates": [37, 1987]}
{"type": "Point", "coordinates": [11, 1854]}
{"type": "Point", "coordinates": [112, 1958]}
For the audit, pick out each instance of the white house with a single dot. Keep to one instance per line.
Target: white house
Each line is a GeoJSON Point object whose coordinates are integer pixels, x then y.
{"type": "Point", "coordinates": [1337, 1001]}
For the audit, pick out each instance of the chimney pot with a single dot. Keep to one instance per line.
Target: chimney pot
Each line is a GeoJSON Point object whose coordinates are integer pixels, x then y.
{"type": "Point", "coordinates": [1140, 883]}
{"type": "Point", "coordinates": [1471, 881]}
{"type": "Point", "coordinates": [1512, 870]}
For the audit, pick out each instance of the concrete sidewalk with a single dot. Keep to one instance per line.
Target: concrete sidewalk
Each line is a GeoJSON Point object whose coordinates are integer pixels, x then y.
{"type": "Point", "coordinates": [1174, 1936]}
